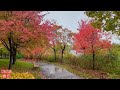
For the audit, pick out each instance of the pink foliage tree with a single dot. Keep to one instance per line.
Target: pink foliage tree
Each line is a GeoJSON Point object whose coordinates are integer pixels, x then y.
{"type": "Point", "coordinates": [18, 28]}
{"type": "Point", "coordinates": [89, 40]}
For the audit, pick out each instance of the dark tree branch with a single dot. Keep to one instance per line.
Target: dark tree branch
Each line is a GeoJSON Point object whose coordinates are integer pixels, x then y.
{"type": "Point", "coordinates": [5, 44]}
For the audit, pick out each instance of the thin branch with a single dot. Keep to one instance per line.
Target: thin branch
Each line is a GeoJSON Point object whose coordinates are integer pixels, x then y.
{"type": "Point", "coordinates": [5, 44]}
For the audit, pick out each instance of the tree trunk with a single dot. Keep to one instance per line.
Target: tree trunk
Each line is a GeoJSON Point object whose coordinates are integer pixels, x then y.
{"type": "Point", "coordinates": [63, 49]}
{"type": "Point", "coordinates": [5, 56]}
{"type": "Point", "coordinates": [1, 55]}
{"type": "Point", "coordinates": [62, 55]}
{"type": "Point", "coordinates": [11, 52]}
{"type": "Point", "coordinates": [93, 61]}
{"type": "Point", "coordinates": [11, 59]}
{"type": "Point", "coordinates": [14, 56]}
{"type": "Point", "coordinates": [1, 52]}
{"type": "Point", "coordinates": [54, 54]}
{"type": "Point", "coordinates": [40, 57]}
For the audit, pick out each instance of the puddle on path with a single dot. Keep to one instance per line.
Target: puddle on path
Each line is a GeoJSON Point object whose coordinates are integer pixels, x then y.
{"type": "Point", "coordinates": [52, 71]}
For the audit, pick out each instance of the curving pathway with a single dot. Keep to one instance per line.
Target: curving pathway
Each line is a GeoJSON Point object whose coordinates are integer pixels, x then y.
{"type": "Point", "coordinates": [51, 71]}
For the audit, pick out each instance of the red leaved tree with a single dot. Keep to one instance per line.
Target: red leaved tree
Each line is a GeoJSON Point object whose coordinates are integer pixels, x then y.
{"type": "Point", "coordinates": [34, 54]}
{"type": "Point", "coordinates": [17, 28]}
{"type": "Point", "coordinates": [41, 43]}
{"type": "Point", "coordinates": [89, 40]}
{"type": "Point", "coordinates": [53, 38]}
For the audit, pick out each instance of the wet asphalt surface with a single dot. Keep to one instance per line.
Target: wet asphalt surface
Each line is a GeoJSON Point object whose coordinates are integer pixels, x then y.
{"type": "Point", "coordinates": [51, 71]}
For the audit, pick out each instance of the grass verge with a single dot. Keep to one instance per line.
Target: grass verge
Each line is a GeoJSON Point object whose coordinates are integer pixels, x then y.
{"type": "Point", "coordinates": [21, 67]}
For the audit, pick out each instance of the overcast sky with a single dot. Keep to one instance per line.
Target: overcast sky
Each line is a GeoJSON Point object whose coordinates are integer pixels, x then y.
{"type": "Point", "coordinates": [69, 19]}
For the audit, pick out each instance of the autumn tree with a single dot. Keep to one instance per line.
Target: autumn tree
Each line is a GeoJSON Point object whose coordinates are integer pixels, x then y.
{"type": "Point", "coordinates": [89, 40]}
{"type": "Point", "coordinates": [17, 28]}
{"type": "Point", "coordinates": [41, 44]}
{"type": "Point", "coordinates": [105, 20]}
{"type": "Point", "coordinates": [38, 52]}
{"type": "Point", "coordinates": [64, 39]}
{"type": "Point", "coordinates": [53, 39]}
{"type": "Point", "coordinates": [34, 53]}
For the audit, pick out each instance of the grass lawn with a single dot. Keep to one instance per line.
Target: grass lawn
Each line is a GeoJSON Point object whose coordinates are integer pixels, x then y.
{"type": "Point", "coordinates": [20, 67]}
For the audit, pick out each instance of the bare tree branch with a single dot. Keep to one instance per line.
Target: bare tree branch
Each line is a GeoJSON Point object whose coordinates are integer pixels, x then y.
{"type": "Point", "coordinates": [5, 44]}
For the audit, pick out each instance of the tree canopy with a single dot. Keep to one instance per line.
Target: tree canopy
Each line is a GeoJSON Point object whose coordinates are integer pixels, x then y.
{"type": "Point", "coordinates": [106, 20]}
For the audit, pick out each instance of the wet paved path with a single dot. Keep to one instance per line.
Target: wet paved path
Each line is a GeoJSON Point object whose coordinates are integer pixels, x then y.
{"type": "Point", "coordinates": [51, 71]}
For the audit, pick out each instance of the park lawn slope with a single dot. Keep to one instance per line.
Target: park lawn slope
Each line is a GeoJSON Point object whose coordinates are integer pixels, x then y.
{"type": "Point", "coordinates": [20, 67]}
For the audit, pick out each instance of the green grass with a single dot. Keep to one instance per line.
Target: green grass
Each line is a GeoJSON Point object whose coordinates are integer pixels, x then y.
{"type": "Point", "coordinates": [21, 67]}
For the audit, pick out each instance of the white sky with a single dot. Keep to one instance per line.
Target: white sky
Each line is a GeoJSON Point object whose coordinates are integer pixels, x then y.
{"type": "Point", "coordinates": [69, 19]}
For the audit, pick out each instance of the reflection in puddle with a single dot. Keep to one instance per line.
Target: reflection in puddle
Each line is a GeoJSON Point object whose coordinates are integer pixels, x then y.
{"type": "Point", "coordinates": [58, 69]}
{"type": "Point", "coordinates": [55, 72]}
{"type": "Point", "coordinates": [55, 69]}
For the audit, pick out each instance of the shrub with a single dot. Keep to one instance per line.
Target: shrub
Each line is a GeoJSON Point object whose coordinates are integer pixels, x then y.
{"type": "Point", "coordinates": [85, 61]}
{"type": "Point", "coordinates": [68, 58]}
{"type": "Point", "coordinates": [17, 75]}
{"type": "Point", "coordinates": [104, 62]}
{"type": "Point", "coordinates": [49, 58]}
{"type": "Point", "coordinates": [22, 76]}
{"type": "Point", "coordinates": [19, 56]}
